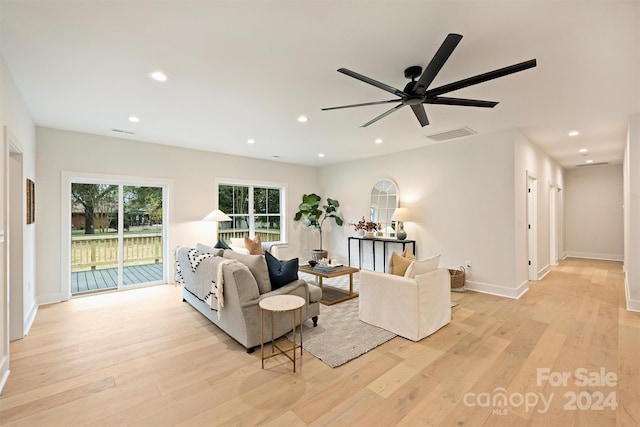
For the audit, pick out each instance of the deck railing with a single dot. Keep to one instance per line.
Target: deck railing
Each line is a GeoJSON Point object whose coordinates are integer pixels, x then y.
{"type": "Point", "coordinates": [101, 250]}
{"type": "Point", "coordinates": [265, 235]}
{"type": "Point", "coordinates": [91, 251]}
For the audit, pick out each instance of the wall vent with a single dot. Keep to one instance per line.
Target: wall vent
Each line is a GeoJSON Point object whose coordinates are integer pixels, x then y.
{"type": "Point", "coordinates": [128, 132]}
{"type": "Point", "coordinates": [591, 164]}
{"type": "Point", "coordinates": [452, 134]}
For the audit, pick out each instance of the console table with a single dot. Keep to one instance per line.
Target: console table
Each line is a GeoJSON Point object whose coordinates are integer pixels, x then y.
{"type": "Point", "coordinates": [377, 242]}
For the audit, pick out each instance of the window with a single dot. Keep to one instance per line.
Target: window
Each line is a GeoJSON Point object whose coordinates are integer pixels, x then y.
{"type": "Point", "coordinates": [255, 210]}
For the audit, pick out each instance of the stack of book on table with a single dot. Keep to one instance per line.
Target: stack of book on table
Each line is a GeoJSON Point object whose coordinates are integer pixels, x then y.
{"type": "Point", "coordinates": [326, 268]}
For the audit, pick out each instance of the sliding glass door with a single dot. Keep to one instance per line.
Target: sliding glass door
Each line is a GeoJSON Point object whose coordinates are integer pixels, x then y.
{"type": "Point", "coordinates": [117, 235]}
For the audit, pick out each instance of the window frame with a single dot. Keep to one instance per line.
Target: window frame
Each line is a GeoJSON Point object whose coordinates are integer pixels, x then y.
{"type": "Point", "coordinates": [252, 214]}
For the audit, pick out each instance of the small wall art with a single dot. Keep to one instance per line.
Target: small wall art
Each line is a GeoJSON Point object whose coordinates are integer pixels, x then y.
{"type": "Point", "coordinates": [31, 202]}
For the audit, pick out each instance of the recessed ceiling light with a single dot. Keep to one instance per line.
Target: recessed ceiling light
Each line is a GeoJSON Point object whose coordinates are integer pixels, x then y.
{"type": "Point", "coordinates": [321, 155]}
{"type": "Point", "coordinates": [378, 141]}
{"type": "Point", "coordinates": [158, 76]}
{"type": "Point", "coordinates": [302, 119]}
{"type": "Point", "coordinates": [583, 150]}
{"type": "Point", "coordinates": [588, 161]}
{"type": "Point", "coordinates": [251, 141]}
{"type": "Point", "coordinates": [574, 133]}
{"type": "Point", "coordinates": [134, 119]}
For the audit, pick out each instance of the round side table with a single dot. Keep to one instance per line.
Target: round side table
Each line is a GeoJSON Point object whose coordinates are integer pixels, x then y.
{"type": "Point", "coordinates": [281, 304]}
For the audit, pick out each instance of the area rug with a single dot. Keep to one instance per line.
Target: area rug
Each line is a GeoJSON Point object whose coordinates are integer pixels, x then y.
{"type": "Point", "coordinates": [340, 336]}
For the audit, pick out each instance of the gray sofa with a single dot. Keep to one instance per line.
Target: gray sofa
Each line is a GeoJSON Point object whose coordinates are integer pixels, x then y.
{"type": "Point", "coordinates": [246, 282]}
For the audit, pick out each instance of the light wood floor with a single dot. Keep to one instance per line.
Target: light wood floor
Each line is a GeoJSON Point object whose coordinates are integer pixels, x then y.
{"type": "Point", "coordinates": [143, 357]}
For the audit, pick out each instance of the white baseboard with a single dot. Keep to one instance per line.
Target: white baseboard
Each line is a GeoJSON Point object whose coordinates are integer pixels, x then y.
{"type": "Point", "coordinates": [544, 271]}
{"type": "Point", "coordinates": [31, 317]}
{"type": "Point", "coordinates": [52, 298]}
{"type": "Point", "coordinates": [592, 255]}
{"type": "Point", "coordinates": [632, 305]}
{"type": "Point", "coordinates": [500, 291]}
{"type": "Point", "coordinates": [4, 372]}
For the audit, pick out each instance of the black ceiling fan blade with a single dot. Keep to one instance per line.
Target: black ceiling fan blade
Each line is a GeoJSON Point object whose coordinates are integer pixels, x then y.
{"type": "Point", "coordinates": [421, 114]}
{"type": "Point", "coordinates": [481, 78]}
{"type": "Point", "coordinates": [362, 105]}
{"type": "Point", "coordinates": [460, 101]}
{"type": "Point", "coordinates": [437, 62]}
{"type": "Point", "coordinates": [372, 82]}
{"type": "Point", "coordinates": [385, 114]}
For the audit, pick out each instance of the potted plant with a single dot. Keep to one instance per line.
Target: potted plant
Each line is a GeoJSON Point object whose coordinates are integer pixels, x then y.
{"type": "Point", "coordinates": [315, 216]}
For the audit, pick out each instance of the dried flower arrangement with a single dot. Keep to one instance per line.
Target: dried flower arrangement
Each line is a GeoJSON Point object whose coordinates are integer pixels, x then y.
{"type": "Point", "coordinates": [366, 225]}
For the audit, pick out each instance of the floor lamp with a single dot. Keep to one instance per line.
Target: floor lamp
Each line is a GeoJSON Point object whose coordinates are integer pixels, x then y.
{"type": "Point", "coordinates": [216, 216]}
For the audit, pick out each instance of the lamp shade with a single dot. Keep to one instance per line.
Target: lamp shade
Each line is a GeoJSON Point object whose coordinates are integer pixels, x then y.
{"type": "Point", "coordinates": [216, 215]}
{"type": "Point", "coordinates": [401, 214]}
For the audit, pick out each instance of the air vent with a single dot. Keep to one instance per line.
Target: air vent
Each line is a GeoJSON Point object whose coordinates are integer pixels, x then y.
{"type": "Point", "coordinates": [592, 164]}
{"type": "Point", "coordinates": [452, 134]}
{"type": "Point", "coordinates": [128, 132]}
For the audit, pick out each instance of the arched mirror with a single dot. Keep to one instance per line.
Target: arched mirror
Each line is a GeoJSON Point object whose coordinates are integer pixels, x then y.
{"type": "Point", "coordinates": [384, 200]}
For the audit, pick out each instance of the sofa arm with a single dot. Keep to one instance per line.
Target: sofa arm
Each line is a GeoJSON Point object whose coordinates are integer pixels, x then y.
{"type": "Point", "coordinates": [297, 287]}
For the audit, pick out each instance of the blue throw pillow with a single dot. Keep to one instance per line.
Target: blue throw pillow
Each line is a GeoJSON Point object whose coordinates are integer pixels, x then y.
{"type": "Point", "coordinates": [281, 272]}
{"type": "Point", "coordinates": [221, 244]}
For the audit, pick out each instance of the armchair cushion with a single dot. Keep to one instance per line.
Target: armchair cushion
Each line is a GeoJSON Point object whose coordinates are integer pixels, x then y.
{"type": "Point", "coordinates": [422, 266]}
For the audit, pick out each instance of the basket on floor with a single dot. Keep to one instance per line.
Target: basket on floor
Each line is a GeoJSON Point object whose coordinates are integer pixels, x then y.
{"type": "Point", "coordinates": [457, 279]}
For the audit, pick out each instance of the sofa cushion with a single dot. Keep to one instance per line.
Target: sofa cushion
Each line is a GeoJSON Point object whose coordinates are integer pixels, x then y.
{"type": "Point", "coordinates": [254, 245]}
{"type": "Point", "coordinates": [398, 264]}
{"type": "Point", "coordinates": [221, 244]}
{"type": "Point", "coordinates": [201, 247]}
{"type": "Point", "coordinates": [281, 272]}
{"type": "Point", "coordinates": [422, 266]}
{"type": "Point", "coordinates": [237, 242]}
{"type": "Point", "coordinates": [257, 265]}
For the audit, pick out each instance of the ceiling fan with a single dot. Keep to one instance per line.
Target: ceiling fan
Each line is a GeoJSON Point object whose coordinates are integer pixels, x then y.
{"type": "Point", "coordinates": [416, 93]}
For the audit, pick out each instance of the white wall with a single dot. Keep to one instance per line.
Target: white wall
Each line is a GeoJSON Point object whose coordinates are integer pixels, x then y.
{"type": "Point", "coordinates": [461, 196]}
{"type": "Point", "coordinates": [632, 214]}
{"type": "Point", "coordinates": [530, 160]}
{"type": "Point", "coordinates": [16, 121]}
{"type": "Point", "coordinates": [193, 174]}
{"type": "Point", "coordinates": [594, 212]}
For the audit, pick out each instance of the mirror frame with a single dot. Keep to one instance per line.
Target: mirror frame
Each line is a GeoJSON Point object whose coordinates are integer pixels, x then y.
{"type": "Point", "coordinates": [383, 215]}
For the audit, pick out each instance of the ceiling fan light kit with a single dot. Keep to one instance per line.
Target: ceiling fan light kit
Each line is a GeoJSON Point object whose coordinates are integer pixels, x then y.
{"type": "Point", "coordinates": [416, 93]}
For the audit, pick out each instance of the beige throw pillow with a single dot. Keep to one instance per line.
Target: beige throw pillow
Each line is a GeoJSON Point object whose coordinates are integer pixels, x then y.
{"type": "Point", "coordinates": [422, 266]}
{"type": "Point", "coordinates": [398, 264]}
{"type": "Point", "coordinates": [254, 245]}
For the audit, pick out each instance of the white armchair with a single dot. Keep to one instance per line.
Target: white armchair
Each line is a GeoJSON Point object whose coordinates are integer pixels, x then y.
{"type": "Point", "coordinates": [412, 308]}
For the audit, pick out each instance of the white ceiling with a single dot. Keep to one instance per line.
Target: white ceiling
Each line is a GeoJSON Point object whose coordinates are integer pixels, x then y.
{"type": "Point", "coordinates": [247, 69]}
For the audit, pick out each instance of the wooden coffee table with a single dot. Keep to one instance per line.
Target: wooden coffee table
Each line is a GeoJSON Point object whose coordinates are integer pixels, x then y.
{"type": "Point", "coordinates": [331, 295]}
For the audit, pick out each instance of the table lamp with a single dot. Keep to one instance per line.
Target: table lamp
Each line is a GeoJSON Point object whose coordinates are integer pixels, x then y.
{"type": "Point", "coordinates": [400, 215]}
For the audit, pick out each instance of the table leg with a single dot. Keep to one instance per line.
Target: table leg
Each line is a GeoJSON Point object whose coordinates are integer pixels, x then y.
{"type": "Point", "coordinates": [272, 340]}
{"type": "Point", "coordinates": [350, 284]}
{"type": "Point", "coordinates": [320, 281]}
{"type": "Point", "coordinates": [262, 336]}
{"type": "Point", "coordinates": [300, 332]}
{"type": "Point", "coordinates": [293, 317]}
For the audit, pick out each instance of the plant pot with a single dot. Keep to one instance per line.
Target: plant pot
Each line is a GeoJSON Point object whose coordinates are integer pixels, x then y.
{"type": "Point", "coordinates": [318, 254]}
{"type": "Point", "coordinates": [360, 233]}
{"type": "Point", "coordinates": [369, 235]}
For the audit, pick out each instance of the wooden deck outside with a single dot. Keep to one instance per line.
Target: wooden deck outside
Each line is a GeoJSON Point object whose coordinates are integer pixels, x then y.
{"type": "Point", "coordinates": [107, 278]}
